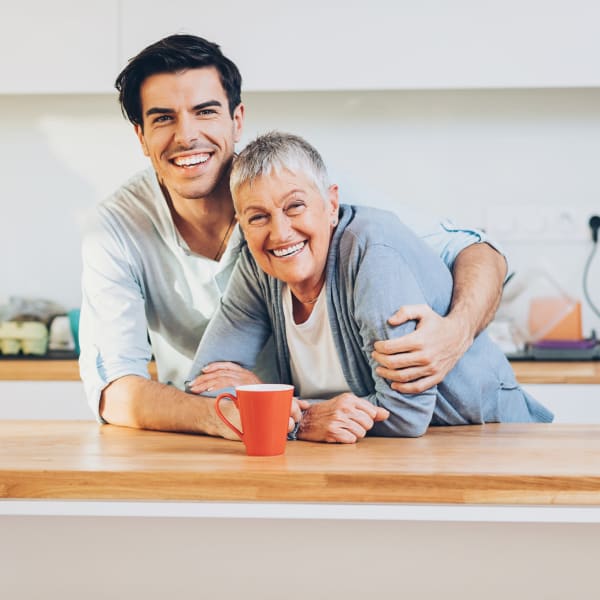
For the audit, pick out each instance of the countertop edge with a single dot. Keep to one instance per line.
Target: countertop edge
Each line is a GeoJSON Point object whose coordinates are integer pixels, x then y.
{"type": "Point", "coordinates": [303, 511]}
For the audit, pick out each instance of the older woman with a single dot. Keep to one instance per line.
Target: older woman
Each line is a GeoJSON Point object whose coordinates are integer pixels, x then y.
{"type": "Point", "coordinates": [323, 278]}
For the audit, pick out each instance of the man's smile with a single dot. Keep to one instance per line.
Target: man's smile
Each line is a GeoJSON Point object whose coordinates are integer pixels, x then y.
{"type": "Point", "coordinates": [191, 160]}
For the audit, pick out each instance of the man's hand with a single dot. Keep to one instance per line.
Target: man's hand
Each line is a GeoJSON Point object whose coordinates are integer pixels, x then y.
{"type": "Point", "coordinates": [229, 409]}
{"type": "Point", "coordinates": [421, 359]}
{"type": "Point", "coordinates": [219, 375]}
{"type": "Point", "coordinates": [345, 419]}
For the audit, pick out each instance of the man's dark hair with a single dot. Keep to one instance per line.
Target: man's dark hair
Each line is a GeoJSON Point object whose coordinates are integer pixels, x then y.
{"type": "Point", "coordinates": [170, 55]}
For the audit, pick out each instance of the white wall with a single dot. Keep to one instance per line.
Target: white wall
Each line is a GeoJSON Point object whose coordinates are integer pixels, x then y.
{"type": "Point", "coordinates": [457, 153]}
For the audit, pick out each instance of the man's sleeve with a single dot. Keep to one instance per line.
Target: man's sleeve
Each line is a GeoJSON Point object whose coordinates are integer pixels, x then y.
{"type": "Point", "coordinates": [113, 332]}
{"type": "Point", "coordinates": [445, 237]}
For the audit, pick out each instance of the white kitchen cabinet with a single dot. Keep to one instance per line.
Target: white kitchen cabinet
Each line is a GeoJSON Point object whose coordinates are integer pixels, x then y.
{"type": "Point", "coordinates": [66, 46]}
{"type": "Point", "coordinates": [62, 46]}
{"type": "Point", "coordinates": [33, 400]}
{"type": "Point", "coordinates": [335, 45]}
{"type": "Point", "coordinates": [570, 403]}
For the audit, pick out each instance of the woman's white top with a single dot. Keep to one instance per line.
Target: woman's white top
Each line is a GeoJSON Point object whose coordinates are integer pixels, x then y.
{"type": "Point", "coordinates": [315, 365]}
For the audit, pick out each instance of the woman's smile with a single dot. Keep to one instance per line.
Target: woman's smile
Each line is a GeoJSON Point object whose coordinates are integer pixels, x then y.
{"type": "Point", "coordinates": [288, 250]}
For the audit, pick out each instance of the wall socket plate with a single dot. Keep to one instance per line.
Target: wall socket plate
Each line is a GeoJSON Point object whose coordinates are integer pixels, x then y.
{"type": "Point", "coordinates": [540, 222]}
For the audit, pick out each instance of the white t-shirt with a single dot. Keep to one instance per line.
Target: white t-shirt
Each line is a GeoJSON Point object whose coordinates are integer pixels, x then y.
{"type": "Point", "coordinates": [314, 362]}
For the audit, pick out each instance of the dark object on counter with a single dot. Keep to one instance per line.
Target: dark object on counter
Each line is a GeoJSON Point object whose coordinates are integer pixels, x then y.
{"type": "Point", "coordinates": [50, 355]}
{"type": "Point", "coordinates": [560, 350]}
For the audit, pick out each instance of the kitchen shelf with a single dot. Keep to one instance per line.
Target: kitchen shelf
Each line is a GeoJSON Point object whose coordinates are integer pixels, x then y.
{"type": "Point", "coordinates": [527, 372]}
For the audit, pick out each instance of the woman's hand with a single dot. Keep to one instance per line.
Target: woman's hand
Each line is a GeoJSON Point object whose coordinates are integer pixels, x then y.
{"type": "Point", "coordinates": [345, 419]}
{"type": "Point", "coordinates": [219, 375]}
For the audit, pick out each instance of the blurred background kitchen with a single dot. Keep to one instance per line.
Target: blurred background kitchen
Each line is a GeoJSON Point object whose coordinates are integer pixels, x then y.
{"type": "Point", "coordinates": [484, 112]}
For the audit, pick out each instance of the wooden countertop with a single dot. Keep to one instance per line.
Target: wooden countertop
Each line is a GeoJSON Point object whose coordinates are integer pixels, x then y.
{"type": "Point", "coordinates": [39, 369]}
{"type": "Point", "coordinates": [526, 372]}
{"type": "Point", "coordinates": [557, 372]}
{"type": "Point", "coordinates": [489, 464]}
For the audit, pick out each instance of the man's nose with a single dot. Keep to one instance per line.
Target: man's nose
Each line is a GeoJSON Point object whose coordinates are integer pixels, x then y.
{"type": "Point", "coordinates": [186, 131]}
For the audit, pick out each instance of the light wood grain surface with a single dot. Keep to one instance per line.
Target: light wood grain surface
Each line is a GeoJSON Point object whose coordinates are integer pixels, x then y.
{"type": "Point", "coordinates": [507, 463]}
{"type": "Point", "coordinates": [557, 372]}
{"type": "Point", "coordinates": [45, 370]}
{"type": "Point", "coordinates": [526, 372]}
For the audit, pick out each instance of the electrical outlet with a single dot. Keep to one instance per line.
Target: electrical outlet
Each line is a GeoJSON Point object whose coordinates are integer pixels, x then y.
{"type": "Point", "coordinates": [539, 222]}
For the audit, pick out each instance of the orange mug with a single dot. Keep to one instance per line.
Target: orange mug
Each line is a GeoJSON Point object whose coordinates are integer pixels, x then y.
{"type": "Point", "coordinates": [265, 411]}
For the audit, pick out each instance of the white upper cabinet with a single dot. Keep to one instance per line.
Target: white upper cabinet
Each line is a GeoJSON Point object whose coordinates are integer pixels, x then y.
{"type": "Point", "coordinates": [58, 46]}
{"type": "Point", "coordinates": [62, 46]}
{"type": "Point", "coordinates": [386, 44]}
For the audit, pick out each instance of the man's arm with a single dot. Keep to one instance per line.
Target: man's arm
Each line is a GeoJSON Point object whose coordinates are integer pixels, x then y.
{"type": "Point", "coordinates": [424, 357]}
{"type": "Point", "coordinates": [115, 350]}
{"type": "Point", "coordinates": [132, 401]}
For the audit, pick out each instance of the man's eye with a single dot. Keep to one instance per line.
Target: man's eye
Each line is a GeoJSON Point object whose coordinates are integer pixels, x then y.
{"type": "Point", "coordinates": [162, 119]}
{"type": "Point", "coordinates": [206, 112]}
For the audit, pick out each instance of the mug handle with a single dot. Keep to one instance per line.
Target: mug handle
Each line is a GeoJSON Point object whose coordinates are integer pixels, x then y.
{"type": "Point", "coordinates": [223, 417]}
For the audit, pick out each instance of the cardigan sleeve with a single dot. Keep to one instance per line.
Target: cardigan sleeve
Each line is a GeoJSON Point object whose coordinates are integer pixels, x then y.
{"type": "Point", "coordinates": [240, 327]}
{"type": "Point", "coordinates": [377, 294]}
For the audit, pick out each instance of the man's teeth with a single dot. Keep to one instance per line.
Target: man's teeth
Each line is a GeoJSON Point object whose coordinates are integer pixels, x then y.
{"type": "Point", "coordinates": [289, 250]}
{"type": "Point", "coordinates": [188, 161]}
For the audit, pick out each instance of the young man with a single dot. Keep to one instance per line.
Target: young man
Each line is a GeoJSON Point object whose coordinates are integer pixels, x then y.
{"type": "Point", "coordinates": [159, 253]}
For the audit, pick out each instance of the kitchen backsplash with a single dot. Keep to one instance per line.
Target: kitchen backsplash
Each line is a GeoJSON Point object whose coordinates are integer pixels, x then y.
{"type": "Point", "coordinates": [512, 161]}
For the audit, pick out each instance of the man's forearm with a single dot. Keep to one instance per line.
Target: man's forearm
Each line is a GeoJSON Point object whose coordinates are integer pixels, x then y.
{"type": "Point", "coordinates": [133, 401]}
{"type": "Point", "coordinates": [478, 274]}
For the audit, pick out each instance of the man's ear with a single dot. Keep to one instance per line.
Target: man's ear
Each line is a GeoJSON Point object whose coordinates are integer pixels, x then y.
{"type": "Point", "coordinates": [140, 135]}
{"type": "Point", "coordinates": [238, 122]}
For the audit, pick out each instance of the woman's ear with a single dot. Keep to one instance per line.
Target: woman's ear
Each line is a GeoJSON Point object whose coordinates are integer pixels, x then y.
{"type": "Point", "coordinates": [334, 203]}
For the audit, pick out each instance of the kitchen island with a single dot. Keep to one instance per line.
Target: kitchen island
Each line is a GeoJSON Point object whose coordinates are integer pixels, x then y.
{"type": "Point", "coordinates": [494, 507]}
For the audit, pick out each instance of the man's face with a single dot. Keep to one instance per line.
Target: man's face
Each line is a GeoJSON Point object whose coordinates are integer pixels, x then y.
{"type": "Point", "coordinates": [188, 132]}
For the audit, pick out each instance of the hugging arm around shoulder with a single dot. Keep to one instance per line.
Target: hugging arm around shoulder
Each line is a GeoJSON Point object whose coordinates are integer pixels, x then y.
{"type": "Point", "coordinates": [240, 327]}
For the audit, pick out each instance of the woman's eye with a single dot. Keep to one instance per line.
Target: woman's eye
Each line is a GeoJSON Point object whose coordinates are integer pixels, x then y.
{"type": "Point", "coordinates": [257, 219]}
{"type": "Point", "coordinates": [295, 208]}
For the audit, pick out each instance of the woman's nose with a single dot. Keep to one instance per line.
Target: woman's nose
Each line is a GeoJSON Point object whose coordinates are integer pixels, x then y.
{"type": "Point", "coordinates": [281, 229]}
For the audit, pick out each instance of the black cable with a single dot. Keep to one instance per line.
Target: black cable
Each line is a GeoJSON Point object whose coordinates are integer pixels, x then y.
{"type": "Point", "coordinates": [586, 271]}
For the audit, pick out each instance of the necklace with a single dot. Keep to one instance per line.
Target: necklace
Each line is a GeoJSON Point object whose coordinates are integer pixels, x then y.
{"type": "Point", "coordinates": [217, 255]}
{"type": "Point", "coordinates": [312, 300]}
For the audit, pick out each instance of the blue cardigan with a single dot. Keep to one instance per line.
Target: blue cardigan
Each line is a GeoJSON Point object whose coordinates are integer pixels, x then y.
{"type": "Point", "coordinates": [375, 265]}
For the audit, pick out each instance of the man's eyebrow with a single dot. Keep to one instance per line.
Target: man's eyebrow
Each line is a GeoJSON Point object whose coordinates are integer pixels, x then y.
{"type": "Point", "coordinates": [206, 104]}
{"type": "Point", "coordinates": [157, 110]}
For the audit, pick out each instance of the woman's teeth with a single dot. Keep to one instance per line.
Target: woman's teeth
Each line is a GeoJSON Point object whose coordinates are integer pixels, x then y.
{"type": "Point", "coordinates": [289, 250]}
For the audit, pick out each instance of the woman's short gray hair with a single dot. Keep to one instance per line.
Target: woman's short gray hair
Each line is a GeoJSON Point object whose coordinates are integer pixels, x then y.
{"type": "Point", "coordinates": [277, 151]}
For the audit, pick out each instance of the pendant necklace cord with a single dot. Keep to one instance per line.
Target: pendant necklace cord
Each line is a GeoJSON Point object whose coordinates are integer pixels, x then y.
{"type": "Point", "coordinates": [225, 237]}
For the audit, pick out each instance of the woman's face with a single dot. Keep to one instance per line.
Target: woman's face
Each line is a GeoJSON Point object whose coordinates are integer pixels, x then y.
{"type": "Point", "coordinates": [288, 225]}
